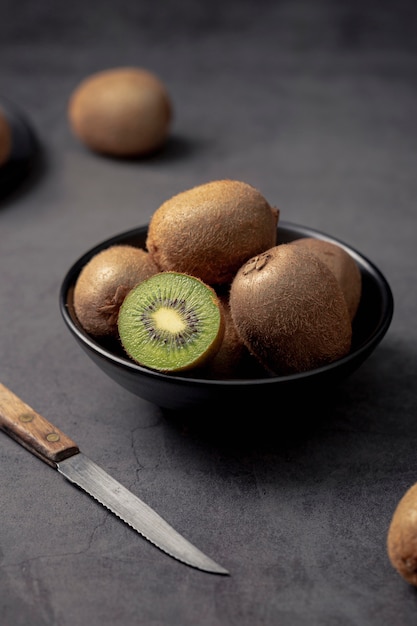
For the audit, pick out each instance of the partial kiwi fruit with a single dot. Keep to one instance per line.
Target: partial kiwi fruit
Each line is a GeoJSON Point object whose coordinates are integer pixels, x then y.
{"type": "Point", "coordinates": [104, 282]}
{"type": "Point", "coordinates": [121, 112]}
{"type": "Point", "coordinates": [210, 230]}
{"type": "Point", "coordinates": [5, 139]}
{"type": "Point", "coordinates": [233, 360]}
{"type": "Point", "coordinates": [290, 311]}
{"type": "Point", "coordinates": [343, 266]}
{"type": "Point", "coordinates": [402, 537]}
{"type": "Point", "coordinates": [171, 322]}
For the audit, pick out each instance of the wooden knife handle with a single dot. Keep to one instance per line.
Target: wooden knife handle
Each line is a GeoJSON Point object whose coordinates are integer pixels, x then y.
{"type": "Point", "coordinates": [32, 430]}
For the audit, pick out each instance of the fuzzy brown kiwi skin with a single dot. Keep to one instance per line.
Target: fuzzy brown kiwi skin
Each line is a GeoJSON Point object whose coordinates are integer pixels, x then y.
{"type": "Point", "coordinates": [5, 139]}
{"type": "Point", "coordinates": [121, 112]}
{"type": "Point", "coordinates": [343, 266]}
{"type": "Point", "coordinates": [232, 360]}
{"type": "Point", "coordinates": [402, 537]}
{"type": "Point", "coordinates": [210, 230]}
{"type": "Point", "coordinates": [104, 282]}
{"type": "Point", "coordinates": [290, 311]}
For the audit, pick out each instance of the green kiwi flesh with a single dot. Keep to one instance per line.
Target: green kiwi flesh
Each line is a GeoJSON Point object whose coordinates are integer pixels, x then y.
{"type": "Point", "coordinates": [290, 311]}
{"type": "Point", "coordinates": [171, 322]}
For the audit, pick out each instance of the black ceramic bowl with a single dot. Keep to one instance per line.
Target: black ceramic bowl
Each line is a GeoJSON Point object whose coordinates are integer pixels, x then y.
{"type": "Point", "coordinates": [175, 391]}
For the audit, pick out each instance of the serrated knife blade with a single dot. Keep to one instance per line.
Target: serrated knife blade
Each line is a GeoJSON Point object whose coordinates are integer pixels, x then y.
{"type": "Point", "coordinates": [50, 444]}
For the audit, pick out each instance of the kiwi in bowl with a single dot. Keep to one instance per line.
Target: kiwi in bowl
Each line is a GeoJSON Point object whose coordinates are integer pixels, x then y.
{"type": "Point", "coordinates": [255, 386]}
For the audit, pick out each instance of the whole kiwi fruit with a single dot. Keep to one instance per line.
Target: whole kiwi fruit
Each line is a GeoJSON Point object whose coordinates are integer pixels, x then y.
{"type": "Point", "coordinates": [104, 282]}
{"type": "Point", "coordinates": [402, 536]}
{"type": "Point", "coordinates": [343, 266]}
{"type": "Point", "coordinates": [171, 322]}
{"type": "Point", "coordinates": [5, 139]}
{"type": "Point", "coordinates": [121, 112]}
{"type": "Point", "coordinates": [290, 311]}
{"type": "Point", "coordinates": [210, 230]}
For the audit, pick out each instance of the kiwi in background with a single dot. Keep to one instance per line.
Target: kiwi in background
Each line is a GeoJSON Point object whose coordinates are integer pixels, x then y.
{"type": "Point", "coordinates": [121, 112]}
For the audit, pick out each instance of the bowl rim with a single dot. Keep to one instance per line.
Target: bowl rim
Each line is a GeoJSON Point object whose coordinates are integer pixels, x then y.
{"type": "Point", "coordinates": [365, 264]}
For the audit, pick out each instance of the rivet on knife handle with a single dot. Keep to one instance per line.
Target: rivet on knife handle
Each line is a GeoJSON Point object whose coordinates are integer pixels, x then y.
{"type": "Point", "coordinates": [32, 430]}
{"type": "Point", "coordinates": [36, 434]}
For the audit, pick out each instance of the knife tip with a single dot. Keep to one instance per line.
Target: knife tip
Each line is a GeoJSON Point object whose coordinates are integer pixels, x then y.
{"type": "Point", "coordinates": [214, 568]}
{"type": "Point", "coordinates": [221, 571]}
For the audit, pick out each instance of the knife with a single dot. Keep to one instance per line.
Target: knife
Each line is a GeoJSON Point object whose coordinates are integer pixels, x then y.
{"type": "Point", "coordinates": [50, 444]}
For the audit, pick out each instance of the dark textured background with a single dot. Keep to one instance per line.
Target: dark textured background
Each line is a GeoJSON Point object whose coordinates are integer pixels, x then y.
{"type": "Point", "coordinates": [314, 103]}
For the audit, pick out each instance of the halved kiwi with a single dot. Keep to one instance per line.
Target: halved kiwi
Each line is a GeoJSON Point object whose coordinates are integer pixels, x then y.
{"type": "Point", "coordinates": [171, 322]}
